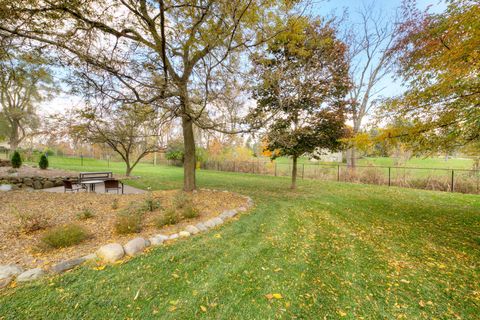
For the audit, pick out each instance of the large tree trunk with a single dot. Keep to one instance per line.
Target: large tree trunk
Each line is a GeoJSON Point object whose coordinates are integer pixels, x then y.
{"type": "Point", "coordinates": [351, 158]}
{"type": "Point", "coordinates": [14, 139]}
{"type": "Point", "coordinates": [294, 173]}
{"type": "Point", "coordinates": [189, 159]}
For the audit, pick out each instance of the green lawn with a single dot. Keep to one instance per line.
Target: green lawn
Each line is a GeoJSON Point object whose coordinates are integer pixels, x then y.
{"type": "Point", "coordinates": [332, 250]}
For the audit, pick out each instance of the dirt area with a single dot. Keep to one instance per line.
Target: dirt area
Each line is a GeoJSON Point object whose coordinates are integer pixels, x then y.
{"type": "Point", "coordinates": [28, 171]}
{"type": "Point", "coordinates": [58, 209]}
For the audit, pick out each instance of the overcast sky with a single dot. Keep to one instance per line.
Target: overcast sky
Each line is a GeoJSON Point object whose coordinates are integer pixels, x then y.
{"type": "Point", "coordinates": [65, 101]}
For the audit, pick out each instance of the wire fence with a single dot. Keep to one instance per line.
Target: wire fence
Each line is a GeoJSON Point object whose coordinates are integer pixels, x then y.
{"type": "Point", "coordinates": [439, 179]}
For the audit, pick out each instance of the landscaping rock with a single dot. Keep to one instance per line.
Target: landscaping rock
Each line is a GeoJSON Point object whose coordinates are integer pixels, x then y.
{"type": "Point", "coordinates": [9, 270]}
{"type": "Point", "coordinates": [30, 275]}
{"type": "Point", "coordinates": [5, 187]}
{"type": "Point", "coordinates": [228, 214]}
{"type": "Point", "coordinates": [158, 239]}
{"type": "Point", "coordinates": [184, 234]}
{"type": "Point", "coordinates": [37, 185]}
{"type": "Point", "coordinates": [209, 223]}
{"type": "Point", "coordinates": [173, 236]}
{"type": "Point", "coordinates": [192, 229]}
{"type": "Point", "coordinates": [111, 252]}
{"type": "Point", "coordinates": [91, 256]}
{"type": "Point", "coordinates": [67, 265]}
{"type": "Point", "coordinates": [135, 246]}
{"type": "Point", "coordinates": [48, 184]}
{"type": "Point", "coordinates": [218, 221]}
{"type": "Point", "coordinates": [201, 226]}
{"type": "Point", "coordinates": [5, 282]}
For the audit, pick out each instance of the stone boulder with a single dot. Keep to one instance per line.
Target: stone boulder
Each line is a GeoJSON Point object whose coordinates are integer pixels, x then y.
{"type": "Point", "coordinates": [67, 265]}
{"type": "Point", "coordinates": [201, 226]}
{"type": "Point", "coordinates": [158, 239]}
{"type": "Point", "coordinates": [135, 246]}
{"type": "Point", "coordinates": [9, 270]}
{"type": "Point", "coordinates": [30, 275]}
{"type": "Point", "coordinates": [48, 184]}
{"type": "Point", "coordinates": [192, 229]}
{"type": "Point", "coordinates": [111, 252]}
{"type": "Point", "coordinates": [5, 282]}
{"type": "Point", "coordinates": [5, 187]}
{"type": "Point", "coordinates": [173, 236]}
{"type": "Point", "coordinates": [37, 184]}
{"type": "Point", "coordinates": [184, 234]}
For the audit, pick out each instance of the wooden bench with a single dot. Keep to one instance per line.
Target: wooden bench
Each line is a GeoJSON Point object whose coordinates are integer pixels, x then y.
{"type": "Point", "coordinates": [93, 178]}
{"type": "Point", "coordinates": [87, 176]}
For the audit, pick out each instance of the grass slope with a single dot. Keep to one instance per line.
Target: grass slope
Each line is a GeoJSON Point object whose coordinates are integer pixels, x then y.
{"type": "Point", "coordinates": [332, 250]}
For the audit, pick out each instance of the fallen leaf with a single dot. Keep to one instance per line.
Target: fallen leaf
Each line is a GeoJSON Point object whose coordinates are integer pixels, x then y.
{"type": "Point", "coordinates": [203, 308]}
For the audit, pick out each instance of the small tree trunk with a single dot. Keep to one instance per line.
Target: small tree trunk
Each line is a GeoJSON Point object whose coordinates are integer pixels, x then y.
{"type": "Point", "coordinates": [129, 170]}
{"type": "Point", "coordinates": [294, 173]}
{"type": "Point", "coordinates": [189, 160]}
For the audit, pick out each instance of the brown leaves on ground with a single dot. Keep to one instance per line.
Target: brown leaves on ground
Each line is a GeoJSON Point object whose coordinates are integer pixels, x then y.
{"type": "Point", "coordinates": [57, 209]}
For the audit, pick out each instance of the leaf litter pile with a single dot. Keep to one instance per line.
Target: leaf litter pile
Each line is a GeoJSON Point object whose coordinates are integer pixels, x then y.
{"type": "Point", "coordinates": [44, 211]}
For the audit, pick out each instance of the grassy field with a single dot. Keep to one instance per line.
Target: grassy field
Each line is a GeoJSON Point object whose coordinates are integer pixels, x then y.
{"type": "Point", "coordinates": [331, 250]}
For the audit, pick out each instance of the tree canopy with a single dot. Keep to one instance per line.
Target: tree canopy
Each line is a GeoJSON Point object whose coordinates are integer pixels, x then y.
{"type": "Point", "coordinates": [439, 60]}
{"type": "Point", "coordinates": [303, 79]}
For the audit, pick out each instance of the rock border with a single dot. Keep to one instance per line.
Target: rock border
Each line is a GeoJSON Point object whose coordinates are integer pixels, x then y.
{"type": "Point", "coordinates": [113, 252]}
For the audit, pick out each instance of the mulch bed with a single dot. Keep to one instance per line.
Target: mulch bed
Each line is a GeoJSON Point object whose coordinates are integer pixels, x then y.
{"type": "Point", "coordinates": [59, 209]}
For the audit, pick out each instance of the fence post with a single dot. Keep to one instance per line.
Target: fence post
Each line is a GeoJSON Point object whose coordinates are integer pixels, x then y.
{"type": "Point", "coordinates": [81, 159]}
{"type": "Point", "coordinates": [389, 179]}
{"type": "Point", "coordinates": [303, 170]}
{"type": "Point", "coordinates": [453, 177]}
{"type": "Point", "coordinates": [338, 172]}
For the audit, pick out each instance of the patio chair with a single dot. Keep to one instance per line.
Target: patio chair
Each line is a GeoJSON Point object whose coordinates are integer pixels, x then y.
{"type": "Point", "coordinates": [72, 185]}
{"type": "Point", "coordinates": [113, 184]}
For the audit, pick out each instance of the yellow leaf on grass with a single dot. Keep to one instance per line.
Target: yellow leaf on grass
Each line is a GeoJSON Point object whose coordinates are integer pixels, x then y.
{"type": "Point", "coordinates": [172, 308]}
{"type": "Point", "coordinates": [218, 236]}
{"type": "Point", "coordinates": [341, 313]}
{"type": "Point", "coordinates": [271, 296]}
{"type": "Point", "coordinates": [203, 308]}
{"type": "Point", "coordinates": [176, 276]}
{"type": "Point", "coordinates": [99, 268]}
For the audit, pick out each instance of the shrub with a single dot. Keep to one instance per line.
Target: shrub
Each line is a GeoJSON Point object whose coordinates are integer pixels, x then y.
{"type": "Point", "coordinates": [64, 236]}
{"type": "Point", "coordinates": [115, 204]}
{"type": "Point", "coordinates": [85, 214]}
{"type": "Point", "coordinates": [30, 223]}
{"type": "Point", "coordinates": [150, 204]}
{"type": "Point", "coordinates": [169, 217]}
{"type": "Point", "coordinates": [189, 212]}
{"type": "Point", "coordinates": [128, 222]}
{"type": "Point", "coordinates": [43, 163]}
{"type": "Point", "coordinates": [16, 160]}
{"type": "Point", "coordinates": [181, 200]}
